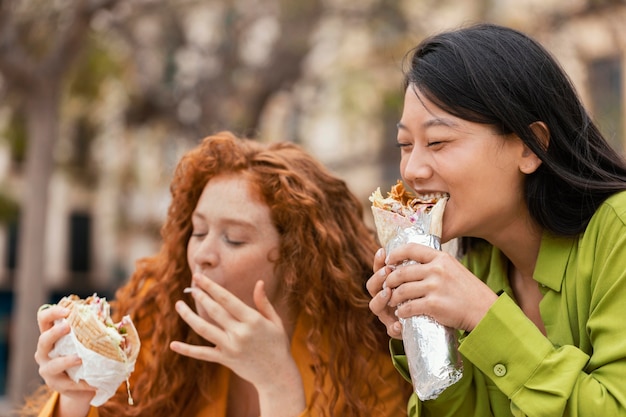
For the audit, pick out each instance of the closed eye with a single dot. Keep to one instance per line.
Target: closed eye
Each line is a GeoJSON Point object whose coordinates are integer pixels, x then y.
{"type": "Point", "coordinates": [233, 242]}
{"type": "Point", "coordinates": [436, 143]}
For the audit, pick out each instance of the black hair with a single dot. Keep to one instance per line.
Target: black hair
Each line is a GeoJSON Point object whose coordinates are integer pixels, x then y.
{"type": "Point", "coordinates": [498, 76]}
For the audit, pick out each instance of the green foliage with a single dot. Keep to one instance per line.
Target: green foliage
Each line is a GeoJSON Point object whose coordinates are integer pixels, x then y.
{"type": "Point", "coordinates": [16, 135]}
{"type": "Point", "coordinates": [393, 102]}
{"type": "Point", "coordinates": [79, 164]}
{"type": "Point", "coordinates": [94, 65]}
{"type": "Point", "coordinates": [9, 209]}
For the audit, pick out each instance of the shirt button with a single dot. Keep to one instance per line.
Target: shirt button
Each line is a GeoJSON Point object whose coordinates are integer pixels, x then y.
{"type": "Point", "coordinates": [499, 369]}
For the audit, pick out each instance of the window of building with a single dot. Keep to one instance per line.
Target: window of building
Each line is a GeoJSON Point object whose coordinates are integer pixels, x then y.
{"type": "Point", "coordinates": [10, 257]}
{"type": "Point", "coordinates": [80, 249]}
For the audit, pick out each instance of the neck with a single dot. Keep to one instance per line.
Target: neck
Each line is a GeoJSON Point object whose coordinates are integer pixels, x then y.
{"type": "Point", "coordinates": [521, 247]}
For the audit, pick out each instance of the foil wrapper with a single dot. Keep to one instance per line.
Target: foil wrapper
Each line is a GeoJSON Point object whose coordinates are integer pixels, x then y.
{"type": "Point", "coordinates": [431, 348]}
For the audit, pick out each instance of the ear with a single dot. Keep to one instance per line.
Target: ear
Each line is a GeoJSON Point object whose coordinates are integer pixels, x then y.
{"type": "Point", "coordinates": [530, 161]}
{"type": "Point", "coordinates": [542, 133]}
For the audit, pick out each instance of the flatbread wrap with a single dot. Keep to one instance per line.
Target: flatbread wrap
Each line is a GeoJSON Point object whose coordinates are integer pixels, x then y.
{"type": "Point", "coordinates": [431, 349]}
{"type": "Point", "coordinates": [401, 209]}
{"type": "Point", "coordinates": [108, 350]}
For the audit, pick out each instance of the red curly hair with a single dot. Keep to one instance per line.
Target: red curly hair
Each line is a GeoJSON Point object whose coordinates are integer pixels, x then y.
{"type": "Point", "coordinates": [324, 281]}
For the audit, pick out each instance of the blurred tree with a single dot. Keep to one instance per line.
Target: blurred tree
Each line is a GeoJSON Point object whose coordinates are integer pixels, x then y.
{"type": "Point", "coordinates": [214, 65]}
{"type": "Point", "coordinates": [39, 41]}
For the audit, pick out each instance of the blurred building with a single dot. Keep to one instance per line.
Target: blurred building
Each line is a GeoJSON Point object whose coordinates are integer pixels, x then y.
{"type": "Point", "coordinates": [344, 110]}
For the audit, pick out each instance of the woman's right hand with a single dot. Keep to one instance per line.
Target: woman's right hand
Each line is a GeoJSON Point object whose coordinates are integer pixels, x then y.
{"type": "Point", "coordinates": [74, 396]}
{"type": "Point", "coordinates": [381, 296]}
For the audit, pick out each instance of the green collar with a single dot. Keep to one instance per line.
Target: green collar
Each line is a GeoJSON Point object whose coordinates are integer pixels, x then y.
{"type": "Point", "coordinates": [553, 256]}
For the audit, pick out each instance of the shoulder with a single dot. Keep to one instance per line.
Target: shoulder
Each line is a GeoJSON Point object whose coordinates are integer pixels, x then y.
{"type": "Point", "coordinates": [605, 235]}
{"type": "Point", "coordinates": [610, 217]}
{"type": "Point", "coordinates": [615, 205]}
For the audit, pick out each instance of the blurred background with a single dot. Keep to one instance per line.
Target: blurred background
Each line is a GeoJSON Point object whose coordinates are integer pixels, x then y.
{"type": "Point", "coordinates": [99, 99]}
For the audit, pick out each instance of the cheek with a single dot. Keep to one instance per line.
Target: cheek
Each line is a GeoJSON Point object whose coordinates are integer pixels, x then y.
{"type": "Point", "coordinates": [404, 159]}
{"type": "Point", "coordinates": [241, 277]}
{"type": "Point", "coordinates": [190, 252]}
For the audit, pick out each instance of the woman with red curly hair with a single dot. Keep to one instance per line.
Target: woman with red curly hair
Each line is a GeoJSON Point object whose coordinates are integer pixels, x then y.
{"type": "Point", "coordinates": [255, 304]}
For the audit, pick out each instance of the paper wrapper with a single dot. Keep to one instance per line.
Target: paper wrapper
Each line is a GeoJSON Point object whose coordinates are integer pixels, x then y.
{"type": "Point", "coordinates": [102, 373]}
{"type": "Point", "coordinates": [431, 348]}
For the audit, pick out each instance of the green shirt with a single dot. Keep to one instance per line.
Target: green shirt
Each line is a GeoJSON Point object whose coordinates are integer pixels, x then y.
{"type": "Point", "coordinates": [579, 369]}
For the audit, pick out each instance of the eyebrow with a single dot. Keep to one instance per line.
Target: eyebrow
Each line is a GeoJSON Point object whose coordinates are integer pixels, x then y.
{"type": "Point", "coordinates": [229, 221]}
{"type": "Point", "coordinates": [437, 121]}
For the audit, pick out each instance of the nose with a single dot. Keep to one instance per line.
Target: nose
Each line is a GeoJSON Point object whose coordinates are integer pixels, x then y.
{"type": "Point", "coordinates": [204, 253]}
{"type": "Point", "coordinates": [416, 166]}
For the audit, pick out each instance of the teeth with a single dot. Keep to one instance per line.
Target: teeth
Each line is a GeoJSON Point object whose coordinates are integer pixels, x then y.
{"type": "Point", "coordinates": [431, 196]}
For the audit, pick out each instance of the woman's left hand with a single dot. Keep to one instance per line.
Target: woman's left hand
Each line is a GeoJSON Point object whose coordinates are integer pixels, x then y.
{"type": "Point", "coordinates": [438, 285]}
{"type": "Point", "coordinates": [251, 342]}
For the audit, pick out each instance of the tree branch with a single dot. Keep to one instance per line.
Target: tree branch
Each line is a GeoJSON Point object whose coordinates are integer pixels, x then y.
{"type": "Point", "coordinates": [15, 64]}
{"type": "Point", "coordinates": [70, 40]}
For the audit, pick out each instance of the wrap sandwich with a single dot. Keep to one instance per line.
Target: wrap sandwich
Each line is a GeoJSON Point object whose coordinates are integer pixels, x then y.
{"type": "Point", "coordinates": [431, 349]}
{"type": "Point", "coordinates": [402, 209]}
{"type": "Point", "coordinates": [108, 350]}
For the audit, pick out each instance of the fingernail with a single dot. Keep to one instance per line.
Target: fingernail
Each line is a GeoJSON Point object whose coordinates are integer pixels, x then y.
{"type": "Point", "coordinates": [379, 252]}
{"type": "Point", "coordinates": [384, 293]}
{"type": "Point", "coordinates": [44, 307]}
{"type": "Point", "coordinates": [382, 272]}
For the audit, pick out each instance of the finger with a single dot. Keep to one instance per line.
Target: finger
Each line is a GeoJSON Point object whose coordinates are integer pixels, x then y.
{"type": "Point", "coordinates": [375, 284]}
{"type": "Point", "coordinates": [212, 310]}
{"type": "Point", "coordinates": [420, 306]}
{"type": "Point", "coordinates": [203, 353]}
{"type": "Point", "coordinates": [395, 330]}
{"type": "Point", "coordinates": [412, 251]}
{"type": "Point", "coordinates": [229, 302]}
{"type": "Point", "coordinates": [404, 274]}
{"type": "Point", "coordinates": [379, 305]}
{"type": "Point", "coordinates": [59, 366]}
{"type": "Point", "coordinates": [47, 314]}
{"type": "Point", "coordinates": [208, 331]}
{"type": "Point", "coordinates": [379, 259]}
{"type": "Point", "coordinates": [263, 304]}
{"type": "Point", "coordinates": [387, 316]}
{"type": "Point", "coordinates": [48, 339]}
{"type": "Point", "coordinates": [409, 291]}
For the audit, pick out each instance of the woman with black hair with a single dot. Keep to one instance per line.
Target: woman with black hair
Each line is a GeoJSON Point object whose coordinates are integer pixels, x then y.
{"type": "Point", "coordinates": [536, 196]}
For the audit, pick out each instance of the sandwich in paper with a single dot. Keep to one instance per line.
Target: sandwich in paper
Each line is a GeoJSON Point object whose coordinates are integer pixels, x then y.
{"type": "Point", "coordinates": [108, 350]}
{"type": "Point", "coordinates": [431, 348]}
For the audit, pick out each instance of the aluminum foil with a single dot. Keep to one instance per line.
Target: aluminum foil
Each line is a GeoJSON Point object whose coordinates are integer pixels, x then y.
{"type": "Point", "coordinates": [431, 348]}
